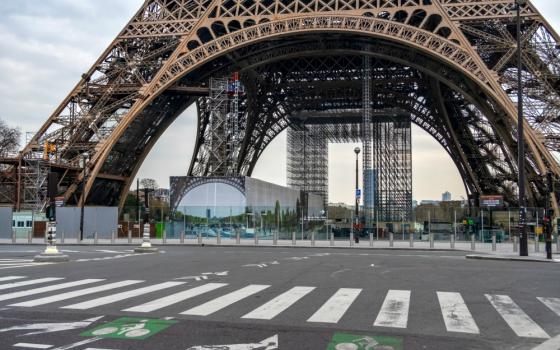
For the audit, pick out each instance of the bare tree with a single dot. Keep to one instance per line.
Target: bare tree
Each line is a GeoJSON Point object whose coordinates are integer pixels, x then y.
{"type": "Point", "coordinates": [149, 183]}
{"type": "Point", "coordinates": [9, 138]}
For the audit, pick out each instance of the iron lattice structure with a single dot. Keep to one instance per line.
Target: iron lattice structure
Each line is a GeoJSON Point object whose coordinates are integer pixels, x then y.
{"type": "Point", "coordinates": [449, 63]}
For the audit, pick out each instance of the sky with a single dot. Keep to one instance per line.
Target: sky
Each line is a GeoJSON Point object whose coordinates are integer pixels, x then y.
{"type": "Point", "coordinates": [46, 45]}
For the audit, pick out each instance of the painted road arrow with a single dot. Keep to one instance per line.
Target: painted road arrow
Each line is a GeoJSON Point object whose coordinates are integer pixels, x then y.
{"type": "Point", "coordinates": [41, 328]}
{"type": "Point", "coordinates": [267, 344]}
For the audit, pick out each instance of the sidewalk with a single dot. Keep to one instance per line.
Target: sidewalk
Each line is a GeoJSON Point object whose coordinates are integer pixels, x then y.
{"type": "Point", "coordinates": [502, 249]}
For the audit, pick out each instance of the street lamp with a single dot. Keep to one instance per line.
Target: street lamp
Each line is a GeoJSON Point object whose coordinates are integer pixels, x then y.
{"type": "Point", "coordinates": [523, 244]}
{"type": "Point", "coordinates": [82, 202]}
{"type": "Point", "coordinates": [357, 151]}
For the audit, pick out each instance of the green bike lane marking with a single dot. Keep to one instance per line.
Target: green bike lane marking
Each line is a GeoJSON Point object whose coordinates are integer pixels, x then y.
{"type": "Point", "coordinates": [134, 328]}
{"type": "Point", "coordinates": [347, 341]}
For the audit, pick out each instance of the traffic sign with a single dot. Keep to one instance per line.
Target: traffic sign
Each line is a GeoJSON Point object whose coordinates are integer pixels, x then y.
{"type": "Point", "coordinates": [358, 193]}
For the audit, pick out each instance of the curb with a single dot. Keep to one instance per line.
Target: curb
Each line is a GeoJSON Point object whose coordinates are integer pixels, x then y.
{"type": "Point", "coordinates": [508, 258]}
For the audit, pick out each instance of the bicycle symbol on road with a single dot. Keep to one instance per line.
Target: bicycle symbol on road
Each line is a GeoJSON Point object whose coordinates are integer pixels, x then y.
{"type": "Point", "coordinates": [130, 328]}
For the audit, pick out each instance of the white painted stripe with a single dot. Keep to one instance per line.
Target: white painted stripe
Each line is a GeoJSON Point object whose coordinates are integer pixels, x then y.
{"type": "Point", "coordinates": [551, 344]}
{"type": "Point", "coordinates": [98, 349]}
{"type": "Point", "coordinates": [25, 293]}
{"type": "Point", "coordinates": [552, 303]}
{"type": "Point", "coordinates": [333, 310]}
{"type": "Point", "coordinates": [279, 304]}
{"type": "Point", "coordinates": [11, 278]}
{"type": "Point", "coordinates": [175, 298]}
{"type": "Point", "coordinates": [122, 296]}
{"type": "Point", "coordinates": [76, 293]}
{"type": "Point", "coordinates": [33, 346]}
{"type": "Point", "coordinates": [226, 300]}
{"type": "Point", "coordinates": [456, 314]}
{"type": "Point", "coordinates": [516, 318]}
{"type": "Point", "coordinates": [394, 311]}
{"type": "Point", "coordinates": [28, 283]}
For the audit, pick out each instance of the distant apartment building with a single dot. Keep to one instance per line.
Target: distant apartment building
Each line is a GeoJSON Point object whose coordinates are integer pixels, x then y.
{"type": "Point", "coordinates": [446, 196]}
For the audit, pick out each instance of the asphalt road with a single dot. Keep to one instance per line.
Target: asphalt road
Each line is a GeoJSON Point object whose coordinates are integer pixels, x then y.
{"type": "Point", "coordinates": [187, 297]}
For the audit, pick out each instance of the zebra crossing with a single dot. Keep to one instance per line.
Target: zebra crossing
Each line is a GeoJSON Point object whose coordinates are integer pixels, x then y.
{"type": "Point", "coordinates": [22, 292]}
{"type": "Point", "coordinates": [16, 263]}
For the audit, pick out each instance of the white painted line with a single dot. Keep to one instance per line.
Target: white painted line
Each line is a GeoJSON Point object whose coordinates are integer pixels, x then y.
{"type": "Point", "coordinates": [333, 310]}
{"type": "Point", "coordinates": [394, 311]}
{"type": "Point", "coordinates": [98, 349]}
{"type": "Point", "coordinates": [551, 344]}
{"type": "Point", "coordinates": [33, 346]}
{"type": "Point", "coordinates": [175, 298]}
{"type": "Point", "coordinates": [279, 304]}
{"type": "Point", "coordinates": [552, 303]}
{"type": "Point", "coordinates": [456, 314]}
{"type": "Point", "coordinates": [516, 318]}
{"type": "Point", "coordinates": [25, 293]}
{"type": "Point", "coordinates": [224, 301]}
{"type": "Point", "coordinates": [121, 296]}
{"type": "Point", "coordinates": [76, 293]}
{"type": "Point", "coordinates": [28, 283]}
{"type": "Point", "coordinates": [10, 278]}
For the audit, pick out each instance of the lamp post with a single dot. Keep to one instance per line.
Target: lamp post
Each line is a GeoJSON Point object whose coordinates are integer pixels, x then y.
{"type": "Point", "coordinates": [523, 244]}
{"type": "Point", "coordinates": [356, 213]}
{"type": "Point", "coordinates": [83, 200]}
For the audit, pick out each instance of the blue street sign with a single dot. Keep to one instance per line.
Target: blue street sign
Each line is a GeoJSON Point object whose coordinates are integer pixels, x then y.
{"type": "Point", "coordinates": [358, 193]}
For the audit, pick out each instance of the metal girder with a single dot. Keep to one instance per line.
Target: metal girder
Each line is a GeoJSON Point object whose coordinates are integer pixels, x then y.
{"type": "Point", "coordinates": [162, 61]}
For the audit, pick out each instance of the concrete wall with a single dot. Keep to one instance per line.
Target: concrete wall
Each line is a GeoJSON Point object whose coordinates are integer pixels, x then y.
{"type": "Point", "coordinates": [5, 222]}
{"type": "Point", "coordinates": [102, 220]}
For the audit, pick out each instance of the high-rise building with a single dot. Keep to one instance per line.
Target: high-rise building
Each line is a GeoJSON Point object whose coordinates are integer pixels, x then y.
{"type": "Point", "coordinates": [446, 196]}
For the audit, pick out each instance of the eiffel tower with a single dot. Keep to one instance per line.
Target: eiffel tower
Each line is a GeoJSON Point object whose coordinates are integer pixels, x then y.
{"type": "Point", "coordinates": [450, 64]}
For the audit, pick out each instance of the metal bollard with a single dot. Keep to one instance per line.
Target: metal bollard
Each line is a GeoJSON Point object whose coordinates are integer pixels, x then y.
{"type": "Point", "coordinates": [30, 237]}
{"type": "Point", "coordinates": [332, 239]}
{"type": "Point", "coordinates": [473, 244]}
{"type": "Point", "coordinates": [13, 236]}
{"type": "Point", "coordinates": [371, 239]}
{"type": "Point", "coordinates": [391, 239]}
{"type": "Point", "coordinates": [537, 245]}
{"type": "Point", "coordinates": [199, 237]}
{"type": "Point", "coordinates": [557, 244]}
{"type": "Point", "coordinates": [275, 238]}
{"type": "Point", "coordinates": [515, 244]}
{"type": "Point", "coordinates": [237, 238]}
{"type": "Point", "coordinates": [351, 239]}
{"type": "Point", "coordinates": [431, 240]}
{"type": "Point", "coordinates": [95, 238]}
{"type": "Point", "coordinates": [293, 238]}
{"type": "Point", "coordinates": [62, 237]}
{"type": "Point", "coordinates": [129, 236]}
{"type": "Point", "coordinates": [313, 238]}
{"type": "Point", "coordinates": [182, 238]}
{"type": "Point", "coordinates": [256, 238]}
{"type": "Point", "coordinates": [112, 236]}
{"type": "Point", "coordinates": [493, 242]}
{"type": "Point", "coordinates": [219, 238]}
{"type": "Point", "coordinates": [452, 240]}
{"type": "Point", "coordinates": [411, 238]}
{"type": "Point", "coordinates": [164, 237]}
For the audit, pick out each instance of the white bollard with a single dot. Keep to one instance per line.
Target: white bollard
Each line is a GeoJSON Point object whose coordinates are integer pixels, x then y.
{"type": "Point", "coordinates": [431, 240]}
{"type": "Point", "coordinates": [515, 244]}
{"type": "Point", "coordinates": [112, 236]}
{"type": "Point", "coordinates": [452, 240]}
{"type": "Point", "coordinates": [219, 238]}
{"type": "Point", "coordinates": [411, 238]}
{"type": "Point", "coordinates": [129, 236]}
{"type": "Point", "coordinates": [256, 238]}
{"type": "Point", "coordinates": [13, 236]}
{"type": "Point", "coordinates": [537, 245]}
{"type": "Point", "coordinates": [351, 238]}
{"type": "Point", "coordinates": [62, 237]}
{"type": "Point", "coordinates": [182, 238]}
{"type": "Point", "coordinates": [391, 239]}
{"type": "Point", "coordinates": [199, 237]}
{"type": "Point", "coordinates": [494, 248]}
{"type": "Point", "coordinates": [293, 238]}
{"type": "Point", "coordinates": [30, 237]}
{"type": "Point", "coordinates": [473, 244]}
{"type": "Point", "coordinates": [146, 246]}
{"type": "Point", "coordinates": [238, 238]}
{"type": "Point", "coordinates": [95, 238]}
{"type": "Point", "coordinates": [332, 239]}
{"type": "Point", "coordinates": [557, 244]}
{"type": "Point", "coordinates": [313, 238]}
{"type": "Point", "coordinates": [371, 239]}
{"type": "Point", "coordinates": [275, 238]}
